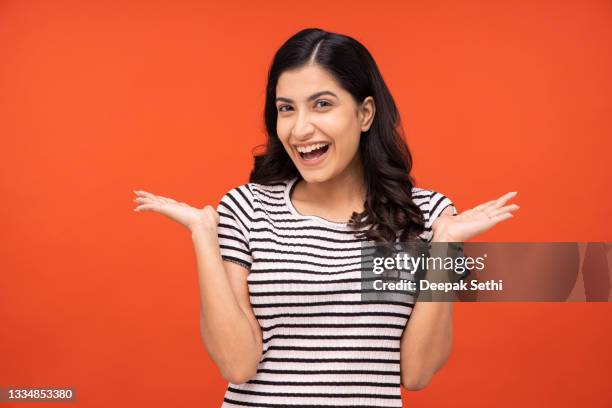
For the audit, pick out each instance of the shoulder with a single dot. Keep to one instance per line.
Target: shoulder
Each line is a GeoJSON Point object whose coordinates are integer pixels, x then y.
{"type": "Point", "coordinates": [432, 203]}
{"type": "Point", "coordinates": [249, 196]}
{"type": "Point", "coordinates": [421, 196]}
{"type": "Point", "coordinates": [237, 197]}
{"type": "Point", "coordinates": [269, 193]}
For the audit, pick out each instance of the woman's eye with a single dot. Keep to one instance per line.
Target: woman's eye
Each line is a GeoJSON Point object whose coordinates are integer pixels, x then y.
{"type": "Point", "coordinates": [322, 104]}
{"type": "Point", "coordinates": [318, 104]}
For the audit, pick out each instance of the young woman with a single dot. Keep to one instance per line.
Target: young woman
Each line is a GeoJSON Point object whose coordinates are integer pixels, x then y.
{"type": "Point", "coordinates": [279, 259]}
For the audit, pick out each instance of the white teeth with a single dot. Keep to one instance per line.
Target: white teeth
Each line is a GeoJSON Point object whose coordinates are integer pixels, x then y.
{"type": "Point", "coordinates": [310, 148]}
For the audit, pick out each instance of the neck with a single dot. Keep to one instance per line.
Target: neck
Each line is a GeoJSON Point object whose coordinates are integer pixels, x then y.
{"type": "Point", "coordinates": [346, 190]}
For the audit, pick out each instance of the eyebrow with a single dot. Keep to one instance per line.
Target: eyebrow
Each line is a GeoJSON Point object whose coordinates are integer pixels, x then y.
{"type": "Point", "coordinates": [310, 98]}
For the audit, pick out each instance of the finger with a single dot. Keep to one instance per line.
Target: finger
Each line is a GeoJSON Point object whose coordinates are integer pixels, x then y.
{"type": "Point", "coordinates": [497, 202]}
{"type": "Point", "coordinates": [484, 205]}
{"type": "Point", "coordinates": [143, 200]}
{"type": "Point", "coordinates": [147, 207]}
{"type": "Point", "coordinates": [142, 193]}
{"type": "Point", "coordinates": [503, 199]}
{"type": "Point", "coordinates": [166, 199]}
{"type": "Point", "coordinates": [498, 211]}
{"type": "Point", "coordinates": [499, 218]}
{"type": "Point", "coordinates": [153, 196]}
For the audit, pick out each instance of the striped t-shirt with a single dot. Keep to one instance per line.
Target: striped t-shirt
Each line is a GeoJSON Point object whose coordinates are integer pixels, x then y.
{"type": "Point", "coordinates": [322, 345]}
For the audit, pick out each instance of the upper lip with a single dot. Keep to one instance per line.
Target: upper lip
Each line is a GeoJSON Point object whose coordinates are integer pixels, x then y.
{"type": "Point", "coordinates": [309, 143]}
{"type": "Point", "coordinates": [305, 148]}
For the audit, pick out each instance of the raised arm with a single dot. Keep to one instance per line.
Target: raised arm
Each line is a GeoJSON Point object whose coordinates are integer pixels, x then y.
{"type": "Point", "coordinates": [228, 326]}
{"type": "Point", "coordinates": [427, 339]}
{"type": "Point", "coordinates": [229, 330]}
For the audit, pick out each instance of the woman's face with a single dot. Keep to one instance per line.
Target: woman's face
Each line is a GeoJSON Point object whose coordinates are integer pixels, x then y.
{"type": "Point", "coordinates": [319, 123]}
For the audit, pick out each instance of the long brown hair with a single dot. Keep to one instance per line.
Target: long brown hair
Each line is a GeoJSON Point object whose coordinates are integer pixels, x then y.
{"type": "Point", "coordinates": [391, 212]}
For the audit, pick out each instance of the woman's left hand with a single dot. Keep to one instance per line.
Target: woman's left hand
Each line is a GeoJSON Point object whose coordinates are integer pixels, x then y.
{"type": "Point", "coordinates": [468, 224]}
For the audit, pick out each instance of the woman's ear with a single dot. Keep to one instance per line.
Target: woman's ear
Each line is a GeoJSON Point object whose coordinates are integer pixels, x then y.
{"type": "Point", "coordinates": [367, 110]}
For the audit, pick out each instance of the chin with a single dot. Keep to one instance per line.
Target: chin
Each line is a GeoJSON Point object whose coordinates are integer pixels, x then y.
{"type": "Point", "coordinates": [316, 176]}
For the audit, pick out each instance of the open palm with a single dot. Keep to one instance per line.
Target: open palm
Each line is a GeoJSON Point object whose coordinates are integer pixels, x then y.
{"type": "Point", "coordinates": [475, 221]}
{"type": "Point", "coordinates": [183, 213]}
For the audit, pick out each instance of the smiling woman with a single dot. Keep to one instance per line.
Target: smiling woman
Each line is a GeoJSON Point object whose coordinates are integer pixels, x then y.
{"type": "Point", "coordinates": [279, 261]}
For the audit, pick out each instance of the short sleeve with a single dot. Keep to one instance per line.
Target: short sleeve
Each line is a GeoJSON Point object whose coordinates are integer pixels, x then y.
{"type": "Point", "coordinates": [235, 218]}
{"type": "Point", "coordinates": [437, 203]}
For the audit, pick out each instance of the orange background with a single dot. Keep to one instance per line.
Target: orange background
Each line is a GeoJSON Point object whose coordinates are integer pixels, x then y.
{"type": "Point", "coordinates": [167, 96]}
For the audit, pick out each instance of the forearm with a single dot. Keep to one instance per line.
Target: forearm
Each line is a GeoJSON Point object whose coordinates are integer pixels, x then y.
{"type": "Point", "coordinates": [426, 343]}
{"type": "Point", "coordinates": [226, 332]}
{"type": "Point", "coordinates": [427, 340]}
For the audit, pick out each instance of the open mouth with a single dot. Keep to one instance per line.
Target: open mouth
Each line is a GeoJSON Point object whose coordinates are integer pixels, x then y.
{"type": "Point", "coordinates": [313, 152]}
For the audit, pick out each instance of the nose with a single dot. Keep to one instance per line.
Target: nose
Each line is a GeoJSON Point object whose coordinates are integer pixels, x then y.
{"type": "Point", "coordinates": [302, 129]}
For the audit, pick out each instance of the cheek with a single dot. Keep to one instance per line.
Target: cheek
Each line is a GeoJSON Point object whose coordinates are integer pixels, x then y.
{"type": "Point", "coordinates": [283, 128]}
{"type": "Point", "coordinates": [345, 132]}
{"type": "Point", "coordinates": [335, 125]}
{"type": "Point", "coordinates": [348, 148]}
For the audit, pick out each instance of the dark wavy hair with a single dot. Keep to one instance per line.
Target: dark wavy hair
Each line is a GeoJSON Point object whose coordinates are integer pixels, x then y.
{"type": "Point", "coordinates": [390, 213]}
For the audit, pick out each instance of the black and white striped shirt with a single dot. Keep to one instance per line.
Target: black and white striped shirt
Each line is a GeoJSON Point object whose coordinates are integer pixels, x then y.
{"type": "Point", "coordinates": [322, 345]}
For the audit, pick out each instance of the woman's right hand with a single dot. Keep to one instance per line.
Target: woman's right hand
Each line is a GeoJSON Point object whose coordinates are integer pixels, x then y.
{"type": "Point", "coordinates": [192, 218]}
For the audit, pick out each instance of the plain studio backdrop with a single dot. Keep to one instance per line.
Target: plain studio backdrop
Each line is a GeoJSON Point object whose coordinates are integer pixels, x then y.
{"type": "Point", "coordinates": [100, 98]}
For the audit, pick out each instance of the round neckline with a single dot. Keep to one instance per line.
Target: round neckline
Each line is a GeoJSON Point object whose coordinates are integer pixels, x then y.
{"type": "Point", "coordinates": [288, 188]}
